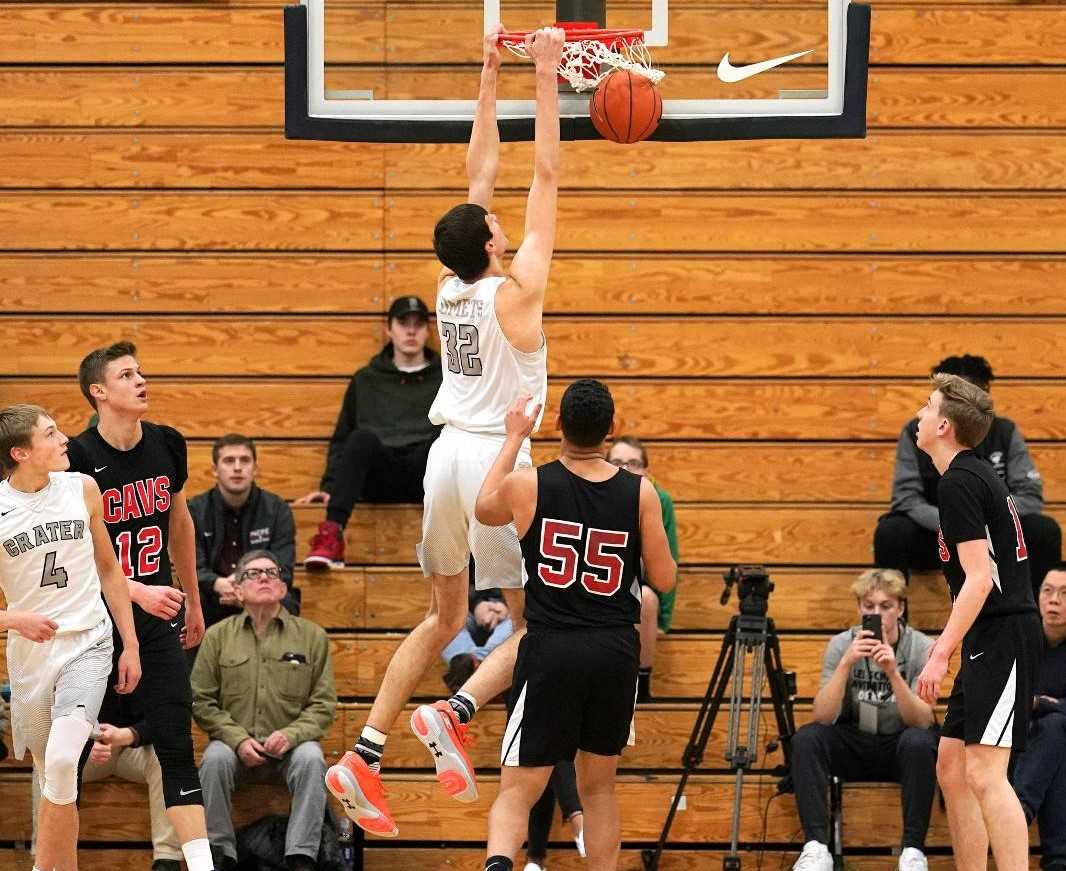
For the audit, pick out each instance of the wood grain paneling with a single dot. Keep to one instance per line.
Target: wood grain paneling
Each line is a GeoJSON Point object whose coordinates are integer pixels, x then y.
{"type": "Point", "coordinates": [580, 283]}
{"type": "Point", "coordinates": [652, 408]}
{"type": "Point", "coordinates": [252, 96]}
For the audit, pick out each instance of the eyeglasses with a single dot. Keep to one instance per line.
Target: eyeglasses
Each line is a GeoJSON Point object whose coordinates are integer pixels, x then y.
{"type": "Point", "coordinates": [252, 574]}
{"type": "Point", "coordinates": [629, 465]}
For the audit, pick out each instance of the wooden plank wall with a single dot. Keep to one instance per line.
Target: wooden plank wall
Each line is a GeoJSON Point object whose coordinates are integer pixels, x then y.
{"type": "Point", "coordinates": [765, 312]}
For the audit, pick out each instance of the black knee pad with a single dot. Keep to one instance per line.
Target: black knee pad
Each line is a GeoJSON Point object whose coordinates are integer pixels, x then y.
{"type": "Point", "coordinates": [172, 741]}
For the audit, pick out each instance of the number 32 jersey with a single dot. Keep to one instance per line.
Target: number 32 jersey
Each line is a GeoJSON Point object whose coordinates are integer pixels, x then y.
{"type": "Point", "coordinates": [483, 372]}
{"type": "Point", "coordinates": [47, 564]}
{"type": "Point", "coordinates": [137, 488]}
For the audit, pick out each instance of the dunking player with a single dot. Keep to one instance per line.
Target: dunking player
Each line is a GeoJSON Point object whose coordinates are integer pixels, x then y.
{"type": "Point", "coordinates": [141, 469]}
{"type": "Point", "coordinates": [490, 323]}
{"type": "Point", "coordinates": [584, 526]}
{"type": "Point", "coordinates": [994, 617]}
{"type": "Point", "coordinates": [55, 561]}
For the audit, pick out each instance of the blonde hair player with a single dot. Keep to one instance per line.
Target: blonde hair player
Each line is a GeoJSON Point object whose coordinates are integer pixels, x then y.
{"type": "Point", "coordinates": [55, 560]}
{"type": "Point", "coordinates": [995, 620]}
{"type": "Point", "coordinates": [490, 321]}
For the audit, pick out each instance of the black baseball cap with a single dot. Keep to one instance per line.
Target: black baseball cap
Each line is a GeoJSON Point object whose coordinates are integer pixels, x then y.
{"type": "Point", "coordinates": [408, 305]}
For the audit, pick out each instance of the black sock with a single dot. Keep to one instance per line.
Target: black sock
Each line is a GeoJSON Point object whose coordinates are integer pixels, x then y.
{"type": "Point", "coordinates": [339, 516]}
{"type": "Point", "coordinates": [463, 707]}
{"type": "Point", "coordinates": [498, 863]}
{"type": "Point", "coordinates": [370, 752]}
{"type": "Point", "coordinates": [644, 684]}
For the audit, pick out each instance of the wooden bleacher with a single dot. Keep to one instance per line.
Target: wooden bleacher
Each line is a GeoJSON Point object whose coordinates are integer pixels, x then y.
{"type": "Point", "coordinates": [764, 312]}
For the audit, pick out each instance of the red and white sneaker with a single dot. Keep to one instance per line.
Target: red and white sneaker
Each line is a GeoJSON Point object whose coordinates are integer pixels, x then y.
{"type": "Point", "coordinates": [327, 548]}
{"type": "Point", "coordinates": [362, 795]}
{"type": "Point", "coordinates": [438, 727]}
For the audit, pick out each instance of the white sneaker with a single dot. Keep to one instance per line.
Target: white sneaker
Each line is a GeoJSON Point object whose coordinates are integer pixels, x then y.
{"type": "Point", "coordinates": [912, 859]}
{"type": "Point", "coordinates": [533, 866]}
{"type": "Point", "coordinates": [815, 857]}
{"type": "Point", "coordinates": [580, 841]}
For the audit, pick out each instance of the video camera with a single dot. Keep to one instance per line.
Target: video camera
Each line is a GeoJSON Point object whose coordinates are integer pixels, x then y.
{"type": "Point", "coordinates": [754, 588]}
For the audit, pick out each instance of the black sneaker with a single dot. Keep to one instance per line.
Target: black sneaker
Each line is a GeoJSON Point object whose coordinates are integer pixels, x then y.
{"type": "Point", "coordinates": [166, 865]}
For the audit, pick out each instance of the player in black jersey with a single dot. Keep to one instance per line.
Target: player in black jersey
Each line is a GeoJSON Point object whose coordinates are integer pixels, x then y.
{"type": "Point", "coordinates": [584, 527]}
{"type": "Point", "coordinates": [993, 617]}
{"type": "Point", "coordinates": [141, 469]}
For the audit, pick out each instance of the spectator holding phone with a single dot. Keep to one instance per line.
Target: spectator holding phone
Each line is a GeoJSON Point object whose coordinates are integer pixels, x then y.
{"type": "Point", "coordinates": [263, 692]}
{"type": "Point", "coordinates": [869, 723]}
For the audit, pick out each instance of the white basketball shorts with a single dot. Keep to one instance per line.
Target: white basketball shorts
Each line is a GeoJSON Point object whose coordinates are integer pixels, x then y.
{"type": "Point", "coordinates": [457, 466]}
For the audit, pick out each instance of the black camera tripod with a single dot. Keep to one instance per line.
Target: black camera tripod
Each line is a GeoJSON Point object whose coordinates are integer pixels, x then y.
{"type": "Point", "coordinates": [750, 632]}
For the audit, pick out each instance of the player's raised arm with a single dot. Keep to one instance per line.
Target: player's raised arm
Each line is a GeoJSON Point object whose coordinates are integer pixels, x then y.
{"type": "Point", "coordinates": [495, 505]}
{"type": "Point", "coordinates": [660, 570]}
{"type": "Point", "coordinates": [483, 154]}
{"type": "Point", "coordinates": [532, 260]}
{"type": "Point", "coordinates": [115, 586]}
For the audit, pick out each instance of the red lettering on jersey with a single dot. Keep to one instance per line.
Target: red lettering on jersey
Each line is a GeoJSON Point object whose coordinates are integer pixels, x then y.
{"type": "Point", "coordinates": [130, 508]}
{"type": "Point", "coordinates": [611, 564]}
{"type": "Point", "coordinates": [146, 495]}
{"type": "Point", "coordinates": [562, 570]}
{"type": "Point", "coordinates": [945, 554]}
{"type": "Point", "coordinates": [112, 506]}
{"type": "Point", "coordinates": [162, 493]}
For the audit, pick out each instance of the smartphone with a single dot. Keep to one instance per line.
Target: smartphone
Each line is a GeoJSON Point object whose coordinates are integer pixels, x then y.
{"type": "Point", "coordinates": [873, 623]}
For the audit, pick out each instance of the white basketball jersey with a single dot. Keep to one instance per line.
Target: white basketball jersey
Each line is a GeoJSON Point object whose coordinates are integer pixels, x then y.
{"type": "Point", "coordinates": [46, 553]}
{"type": "Point", "coordinates": [483, 372]}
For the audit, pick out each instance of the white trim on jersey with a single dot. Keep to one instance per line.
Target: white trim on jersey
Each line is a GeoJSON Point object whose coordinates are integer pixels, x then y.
{"type": "Point", "coordinates": [512, 737]}
{"type": "Point", "coordinates": [992, 560]}
{"type": "Point", "coordinates": [1000, 728]}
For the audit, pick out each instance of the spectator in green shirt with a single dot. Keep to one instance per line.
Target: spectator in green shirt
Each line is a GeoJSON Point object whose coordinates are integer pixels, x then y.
{"type": "Point", "coordinates": [656, 609]}
{"type": "Point", "coordinates": [263, 692]}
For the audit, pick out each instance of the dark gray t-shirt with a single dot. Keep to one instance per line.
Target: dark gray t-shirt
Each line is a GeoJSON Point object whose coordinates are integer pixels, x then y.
{"type": "Point", "coordinates": [868, 683]}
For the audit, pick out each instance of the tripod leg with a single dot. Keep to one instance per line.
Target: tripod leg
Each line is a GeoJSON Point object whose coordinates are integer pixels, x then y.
{"type": "Point", "coordinates": [701, 733]}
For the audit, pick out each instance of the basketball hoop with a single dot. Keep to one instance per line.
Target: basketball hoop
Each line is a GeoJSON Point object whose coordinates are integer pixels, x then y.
{"type": "Point", "coordinates": [591, 53]}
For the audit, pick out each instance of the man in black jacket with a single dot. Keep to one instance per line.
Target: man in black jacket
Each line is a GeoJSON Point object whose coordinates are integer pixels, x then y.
{"type": "Point", "coordinates": [906, 537]}
{"type": "Point", "coordinates": [232, 518]}
{"type": "Point", "coordinates": [1039, 775]}
{"type": "Point", "coordinates": [381, 442]}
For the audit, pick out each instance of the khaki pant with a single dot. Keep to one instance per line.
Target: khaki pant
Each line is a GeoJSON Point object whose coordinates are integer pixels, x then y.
{"type": "Point", "coordinates": [136, 765]}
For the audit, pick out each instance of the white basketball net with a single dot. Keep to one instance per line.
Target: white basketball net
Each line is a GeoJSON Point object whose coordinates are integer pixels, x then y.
{"type": "Point", "coordinates": [587, 62]}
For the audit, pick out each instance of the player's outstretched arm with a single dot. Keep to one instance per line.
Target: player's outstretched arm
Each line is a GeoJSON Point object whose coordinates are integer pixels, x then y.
{"type": "Point", "coordinates": [483, 153]}
{"type": "Point", "coordinates": [660, 570]}
{"type": "Point", "coordinates": [496, 500]}
{"type": "Point", "coordinates": [182, 547]}
{"type": "Point", "coordinates": [115, 586]}
{"type": "Point", "coordinates": [973, 555]}
{"type": "Point", "coordinates": [532, 260]}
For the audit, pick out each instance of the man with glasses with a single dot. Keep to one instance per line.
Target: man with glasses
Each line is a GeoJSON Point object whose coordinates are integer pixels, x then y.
{"type": "Point", "coordinates": [1040, 772]}
{"type": "Point", "coordinates": [656, 609]}
{"type": "Point", "coordinates": [263, 692]}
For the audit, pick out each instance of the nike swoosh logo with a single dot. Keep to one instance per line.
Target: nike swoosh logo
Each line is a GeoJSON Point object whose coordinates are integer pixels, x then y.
{"type": "Point", "coordinates": [975, 655]}
{"type": "Point", "coordinates": [5, 513]}
{"type": "Point", "coordinates": [175, 625]}
{"type": "Point", "coordinates": [729, 73]}
{"type": "Point", "coordinates": [184, 792]}
{"type": "Point", "coordinates": [95, 470]}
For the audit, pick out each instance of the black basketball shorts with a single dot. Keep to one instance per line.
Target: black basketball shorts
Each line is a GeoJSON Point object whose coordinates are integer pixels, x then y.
{"type": "Point", "coordinates": [992, 698]}
{"type": "Point", "coordinates": [573, 690]}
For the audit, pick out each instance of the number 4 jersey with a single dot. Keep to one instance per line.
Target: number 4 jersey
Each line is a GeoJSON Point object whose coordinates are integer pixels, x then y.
{"type": "Point", "coordinates": [483, 372]}
{"type": "Point", "coordinates": [582, 551]}
{"type": "Point", "coordinates": [137, 487]}
{"type": "Point", "coordinates": [47, 565]}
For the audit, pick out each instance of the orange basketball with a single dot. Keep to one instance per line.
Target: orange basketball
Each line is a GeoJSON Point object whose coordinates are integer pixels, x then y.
{"type": "Point", "coordinates": [626, 107]}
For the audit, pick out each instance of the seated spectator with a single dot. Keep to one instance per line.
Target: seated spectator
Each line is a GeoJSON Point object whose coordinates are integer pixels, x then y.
{"type": "Point", "coordinates": [488, 625]}
{"type": "Point", "coordinates": [656, 609]}
{"type": "Point", "coordinates": [906, 537]}
{"type": "Point", "coordinates": [869, 723]}
{"type": "Point", "coordinates": [263, 692]}
{"type": "Point", "coordinates": [232, 518]}
{"type": "Point", "coordinates": [1040, 772]}
{"type": "Point", "coordinates": [562, 786]}
{"type": "Point", "coordinates": [382, 438]}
